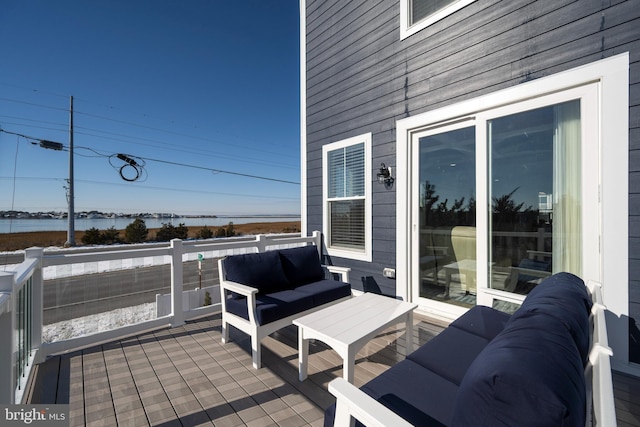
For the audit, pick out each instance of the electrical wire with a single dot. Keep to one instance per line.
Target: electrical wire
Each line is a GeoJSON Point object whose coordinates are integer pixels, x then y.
{"type": "Point", "coordinates": [129, 163]}
{"type": "Point", "coordinates": [18, 134]}
{"type": "Point", "coordinates": [152, 187]}
{"type": "Point", "coordinates": [33, 104]}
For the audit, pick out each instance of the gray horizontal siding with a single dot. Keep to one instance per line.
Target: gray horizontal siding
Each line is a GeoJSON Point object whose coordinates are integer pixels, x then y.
{"type": "Point", "coordinates": [362, 78]}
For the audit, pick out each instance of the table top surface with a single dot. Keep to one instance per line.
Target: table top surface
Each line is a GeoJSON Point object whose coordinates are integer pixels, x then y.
{"type": "Point", "coordinates": [349, 320]}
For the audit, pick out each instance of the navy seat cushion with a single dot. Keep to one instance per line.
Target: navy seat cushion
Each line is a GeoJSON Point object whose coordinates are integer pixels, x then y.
{"type": "Point", "coordinates": [325, 291]}
{"type": "Point", "coordinates": [450, 353]}
{"type": "Point", "coordinates": [272, 307]}
{"type": "Point", "coordinates": [301, 265]}
{"type": "Point", "coordinates": [483, 321]}
{"type": "Point", "coordinates": [260, 270]}
{"type": "Point", "coordinates": [417, 394]}
{"type": "Point", "coordinates": [531, 374]}
{"type": "Point", "coordinates": [564, 297]}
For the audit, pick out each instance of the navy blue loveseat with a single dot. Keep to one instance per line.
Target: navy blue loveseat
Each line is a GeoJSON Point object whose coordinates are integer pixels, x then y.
{"type": "Point", "coordinates": [263, 292]}
{"type": "Point", "coordinates": [492, 369]}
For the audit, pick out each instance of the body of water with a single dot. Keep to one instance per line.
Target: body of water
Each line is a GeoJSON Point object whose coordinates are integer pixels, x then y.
{"type": "Point", "coordinates": [81, 224]}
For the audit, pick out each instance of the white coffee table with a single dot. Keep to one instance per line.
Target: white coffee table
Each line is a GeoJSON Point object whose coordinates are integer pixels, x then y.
{"type": "Point", "coordinates": [348, 326]}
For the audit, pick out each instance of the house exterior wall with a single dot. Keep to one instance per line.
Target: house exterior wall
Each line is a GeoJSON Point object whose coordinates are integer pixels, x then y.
{"type": "Point", "coordinates": [361, 77]}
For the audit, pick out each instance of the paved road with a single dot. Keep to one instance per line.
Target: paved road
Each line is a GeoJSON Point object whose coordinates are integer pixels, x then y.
{"type": "Point", "coordinates": [11, 258]}
{"type": "Point", "coordinates": [71, 297]}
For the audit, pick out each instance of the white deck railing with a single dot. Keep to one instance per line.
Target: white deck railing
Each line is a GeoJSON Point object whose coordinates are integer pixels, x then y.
{"type": "Point", "coordinates": [21, 296]}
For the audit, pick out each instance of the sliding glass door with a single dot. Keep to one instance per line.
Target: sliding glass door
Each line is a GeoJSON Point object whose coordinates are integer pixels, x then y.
{"type": "Point", "coordinates": [447, 218]}
{"type": "Point", "coordinates": [534, 196]}
{"type": "Point", "coordinates": [502, 199]}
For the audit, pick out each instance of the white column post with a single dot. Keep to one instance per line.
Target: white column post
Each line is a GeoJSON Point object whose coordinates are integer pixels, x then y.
{"type": "Point", "coordinates": [7, 336]}
{"type": "Point", "coordinates": [37, 299]}
{"type": "Point", "coordinates": [177, 313]}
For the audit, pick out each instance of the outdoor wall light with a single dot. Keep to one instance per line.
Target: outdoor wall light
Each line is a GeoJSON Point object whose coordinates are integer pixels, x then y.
{"type": "Point", "coordinates": [384, 176]}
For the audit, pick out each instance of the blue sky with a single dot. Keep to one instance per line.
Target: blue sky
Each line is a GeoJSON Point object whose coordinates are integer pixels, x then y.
{"type": "Point", "coordinates": [185, 87]}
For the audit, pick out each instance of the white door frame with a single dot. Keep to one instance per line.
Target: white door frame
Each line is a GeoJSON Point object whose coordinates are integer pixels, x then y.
{"type": "Point", "coordinates": [611, 76]}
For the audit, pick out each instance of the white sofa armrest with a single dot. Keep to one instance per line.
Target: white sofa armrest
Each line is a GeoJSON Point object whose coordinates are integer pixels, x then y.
{"type": "Point", "coordinates": [353, 402]}
{"type": "Point", "coordinates": [342, 271]}
{"type": "Point", "coordinates": [244, 290]}
{"type": "Point", "coordinates": [238, 288]}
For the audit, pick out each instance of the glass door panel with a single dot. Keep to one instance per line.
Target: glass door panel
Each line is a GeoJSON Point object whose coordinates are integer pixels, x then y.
{"type": "Point", "coordinates": [534, 196]}
{"type": "Point", "coordinates": [447, 216]}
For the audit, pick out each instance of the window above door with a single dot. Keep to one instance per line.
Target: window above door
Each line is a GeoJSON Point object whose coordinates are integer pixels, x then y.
{"type": "Point", "coordinates": [416, 15]}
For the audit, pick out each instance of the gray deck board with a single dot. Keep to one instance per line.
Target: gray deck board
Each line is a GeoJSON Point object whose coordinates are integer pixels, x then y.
{"type": "Point", "coordinates": [186, 377]}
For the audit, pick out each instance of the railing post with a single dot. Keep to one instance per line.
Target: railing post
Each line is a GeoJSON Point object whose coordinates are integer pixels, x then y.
{"type": "Point", "coordinates": [177, 313]}
{"type": "Point", "coordinates": [7, 337]}
{"type": "Point", "coordinates": [261, 242]}
{"type": "Point", "coordinates": [317, 237]}
{"type": "Point", "coordinates": [37, 301]}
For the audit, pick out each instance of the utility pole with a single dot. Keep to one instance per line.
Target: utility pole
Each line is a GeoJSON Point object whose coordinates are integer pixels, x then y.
{"type": "Point", "coordinates": [71, 238]}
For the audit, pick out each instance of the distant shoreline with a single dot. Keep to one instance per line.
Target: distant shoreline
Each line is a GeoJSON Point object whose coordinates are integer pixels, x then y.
{"type": "Point", "coordinates": [23, 225]}
{"type": "Point", "coordinates": [27, 239]}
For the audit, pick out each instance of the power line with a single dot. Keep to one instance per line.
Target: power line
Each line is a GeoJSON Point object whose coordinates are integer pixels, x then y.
{"type": "Point", "coordinates": [33, 104]}
{"type": "Point", "coordinates": [111, 107]}
{"type": "Point", "coordinates": [167, 146]}
{"type": "Point", "coordinates": [184, 135]}
{"type": "Point", "coordinates": [151, 187]}
{"type": "Point", "coordinates": [221, 171]}
{"type": "Point", "coordinates": [139, 167]}
{"type": "Point", "coordinates": [174, 147]}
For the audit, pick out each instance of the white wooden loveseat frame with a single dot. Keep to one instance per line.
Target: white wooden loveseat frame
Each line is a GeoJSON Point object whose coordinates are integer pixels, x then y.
{"type": "Point", "coordinates": [352, 403]}
{"type": "Point", "coordinates": [251, 326]}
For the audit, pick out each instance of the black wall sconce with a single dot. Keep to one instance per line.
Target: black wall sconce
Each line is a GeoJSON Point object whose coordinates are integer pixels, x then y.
{"type": "Point", "coordinates": [384, 176]}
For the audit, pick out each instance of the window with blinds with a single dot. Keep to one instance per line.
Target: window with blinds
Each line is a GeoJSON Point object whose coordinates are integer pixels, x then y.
{"type": "Point", "coordinates": [347, 197]}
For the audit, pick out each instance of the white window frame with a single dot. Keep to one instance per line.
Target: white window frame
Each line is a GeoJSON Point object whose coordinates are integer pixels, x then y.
{"type": "Point", "coordinates": [611, 76]}
{"type": "Point", "coordinates": [406, 29]}
{"type": "Point", "coordinates": [365, 254]}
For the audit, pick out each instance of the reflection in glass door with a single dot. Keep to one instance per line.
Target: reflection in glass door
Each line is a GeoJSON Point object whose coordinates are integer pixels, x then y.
{"type": "Point", "coordinates": [447, 216]}
{"type": "Point", "coordinates": [534, 195]}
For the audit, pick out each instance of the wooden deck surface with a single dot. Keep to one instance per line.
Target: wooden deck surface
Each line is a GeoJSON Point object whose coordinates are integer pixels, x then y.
{"type": "Point", "coordinates": [186, 377]}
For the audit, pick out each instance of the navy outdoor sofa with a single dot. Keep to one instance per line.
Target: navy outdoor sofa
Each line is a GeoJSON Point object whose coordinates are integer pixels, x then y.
{"type": "Point", "coordinates": [263, 292]}
{"type": "Point", "coordinates": [545, 365]}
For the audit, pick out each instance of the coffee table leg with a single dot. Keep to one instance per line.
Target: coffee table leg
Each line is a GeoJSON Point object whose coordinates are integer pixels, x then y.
{"type": "Point", "coordinates": [349, 364]}
{"type": "Point", "coordinates": [303, 354]}
{"type": "Point", "coordinates": [408, 336]}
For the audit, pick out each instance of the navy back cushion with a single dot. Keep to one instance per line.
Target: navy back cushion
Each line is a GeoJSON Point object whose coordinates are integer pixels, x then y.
{"type": "Point", "coordinates": [531, 374]}
{"type": "Point", "coordinates": [564, 297]}
{"type": "Point", "coordinates": [261, 270]}
{"type": "Point", "coordinates": [301, 265]}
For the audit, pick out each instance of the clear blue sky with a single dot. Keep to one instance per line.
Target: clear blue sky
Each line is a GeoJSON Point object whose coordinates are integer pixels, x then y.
{"type": "Point", "coordinates": [204, 83]}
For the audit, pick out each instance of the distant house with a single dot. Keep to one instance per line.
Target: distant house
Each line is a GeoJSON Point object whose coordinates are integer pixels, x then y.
{"type": "Point", "coordinates": [455, 153]}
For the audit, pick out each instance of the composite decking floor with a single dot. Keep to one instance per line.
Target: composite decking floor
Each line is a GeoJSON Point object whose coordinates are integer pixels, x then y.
{"type": "Point", "coordinates": [185, 376]}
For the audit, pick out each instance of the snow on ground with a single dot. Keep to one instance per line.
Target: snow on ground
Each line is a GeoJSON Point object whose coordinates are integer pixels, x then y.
{"type": "Point", "coordinates": [98, 322]}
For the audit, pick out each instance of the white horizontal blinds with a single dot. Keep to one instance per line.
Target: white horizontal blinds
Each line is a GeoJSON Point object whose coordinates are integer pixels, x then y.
{"type": "Point", "coordinates": [346, 197]}
{"type": "Point", "coordinates": [420, 9]}
{"type": "Point", "coordinates": [347, 224]}
{"type": "Point", "coordinates": [346, 172]}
